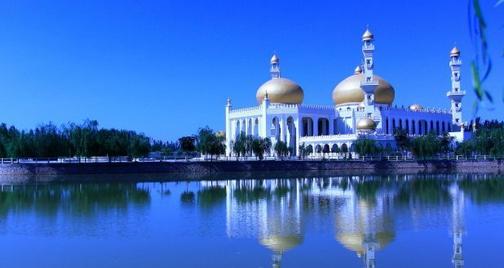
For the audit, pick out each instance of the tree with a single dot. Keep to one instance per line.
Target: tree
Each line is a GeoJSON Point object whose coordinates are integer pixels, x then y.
{"type": "Point", "coordinates": [239, 146]}
{"type": "Point", "coordinates": [364, 147]}
{"type": "Point", "coordinates": [402, 139]}
{"type": "Point", "coordinates": [209, 143]}
{"type": "Point", "coordinates": [187, 144]}
{"type": "Point", "coordinates": [258, 147]}
{"type": "Point", "coordinates": [426, 146]}
{"type": "Point", "coordinates": [281, 149]}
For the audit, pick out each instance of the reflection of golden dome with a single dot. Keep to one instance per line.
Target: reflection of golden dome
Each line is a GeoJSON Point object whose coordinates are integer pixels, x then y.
{"type": "Point", "coordinates": [355, 241]}
{"type": "Point", "coordinates": [281, 243]}
{"type": "Point", "coordinates": [366, 124]}
{"type": "Point", "coordinates": [281, 90]}
{"type": "Point", "coordinates": [415, 107]}
{"type": "Point", "coordinates": [455, 52]}
{"type": "Point", "coordinates": [350, 91]}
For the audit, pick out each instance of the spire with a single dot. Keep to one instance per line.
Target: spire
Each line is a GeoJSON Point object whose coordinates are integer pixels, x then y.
{"type": "Point", "coordinates": [228, 101]}
{"type": "Point", "coordinates": [358, 70]}
{"type": "Point", "coordinates": [367, 35]}
{"type": "Point", "coordinates": [275, 66]}
{"type": "Point", "coordinates": [455, 52]}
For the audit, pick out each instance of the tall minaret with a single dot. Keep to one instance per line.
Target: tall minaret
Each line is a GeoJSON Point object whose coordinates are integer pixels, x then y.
{"type": "Point", "coordinates": [228, 127]}
{"type": "Point", "coordinates": [368, 83]}
{"type": "Point", "coordinates": [456, 94]}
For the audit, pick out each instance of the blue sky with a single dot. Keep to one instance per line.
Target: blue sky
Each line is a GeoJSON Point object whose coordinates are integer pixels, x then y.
{"type": "Point", "coordinates": [165, 68]}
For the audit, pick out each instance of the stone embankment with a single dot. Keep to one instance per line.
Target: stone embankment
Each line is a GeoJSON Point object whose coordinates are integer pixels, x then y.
{"type": "Point", "coordinates": [187, 168]}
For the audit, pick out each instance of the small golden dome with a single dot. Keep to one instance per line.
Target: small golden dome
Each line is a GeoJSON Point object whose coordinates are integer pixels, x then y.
{"type": "Point", "coordinates": [367, 36]}
{"type": "Point", "coordinates": [366, 124]}
{"type": "Point", "coordinates": [415, 107]}
{"type": "Point", "coordinates": [275, 59]}
{"type": "Point", "coordinates": [349, 91]}
{"type": "Point", "coordinates": [280, 90]}
{"type": "Point", "coordinates": [455, 52]}
{"type": "Point", "coordinates": [358, 70]}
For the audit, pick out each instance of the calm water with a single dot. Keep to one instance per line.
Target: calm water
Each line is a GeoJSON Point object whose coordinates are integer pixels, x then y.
{"type": "Point", "coordinates": [306, 221]}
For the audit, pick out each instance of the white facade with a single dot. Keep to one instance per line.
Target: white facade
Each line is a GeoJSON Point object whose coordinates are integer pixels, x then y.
{"type": "Point", "coordinates": [363, 106]}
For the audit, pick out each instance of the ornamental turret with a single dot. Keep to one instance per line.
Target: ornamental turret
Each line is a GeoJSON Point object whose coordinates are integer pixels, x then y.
{"type": "Point", "coordinates": [456, 93]}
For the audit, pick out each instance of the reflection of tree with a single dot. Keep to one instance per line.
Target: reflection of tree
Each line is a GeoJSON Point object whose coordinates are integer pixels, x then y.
{"type": "Point", "coordinates": [424, 190]}
{"type": "Point", "coordinates": [211, 196]}
{"type": "Point", "coordinates": [78, 199]}
{"type": "Point", "coordinates": [187, 197]}
{"type": "Point", "coordinates": [483, 190]}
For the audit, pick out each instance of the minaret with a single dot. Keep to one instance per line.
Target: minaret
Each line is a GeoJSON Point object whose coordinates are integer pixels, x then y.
{"type": "Point", "coordinates": [228, 127]}
{"type": "Point", "coordinates": [456, 94]}
{"type": "Point", "coordinates": [368, 83]}
{"type": "Point", "coordinates": [275, 66]}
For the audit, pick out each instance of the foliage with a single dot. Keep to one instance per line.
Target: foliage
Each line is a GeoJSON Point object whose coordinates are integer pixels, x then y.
{"type": "Point", "coordinates": [70, 140]}
{"type": "Point", "coordinates": [366, 146]}
{"type": "Point", "coordinates": [488, 140]}
{"type": "Point", "coordinates": [187, 144]}
{"type": "Point", "coordinates": [402, 139]}
{"type": "Point", "coordinates": [281, 149]}
{"type": "Point", "coordinates": [481, 64]}
{"type": "Point", "coordinates": [209, 143]}
{"type": "Point", "coordinates": [259, 146]}
{"type": "Point", "coordinates": [425, 146]}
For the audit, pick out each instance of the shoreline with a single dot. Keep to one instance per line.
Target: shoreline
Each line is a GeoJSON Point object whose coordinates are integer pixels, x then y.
{"type": "Point", "coordinates": [267, 166]}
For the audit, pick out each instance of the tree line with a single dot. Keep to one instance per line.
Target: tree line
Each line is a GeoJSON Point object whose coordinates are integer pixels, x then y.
{"type": "Point", "coordinates": [69, 140]}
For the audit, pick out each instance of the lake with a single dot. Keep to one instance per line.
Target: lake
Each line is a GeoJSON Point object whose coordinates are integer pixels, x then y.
{"type": "Point", "coordinates": [433, 220]}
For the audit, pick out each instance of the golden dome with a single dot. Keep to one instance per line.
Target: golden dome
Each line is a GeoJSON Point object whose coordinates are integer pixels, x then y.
{"type": "Point", "coordinates": [368, 35]}
{"type": "Point", "coordinates": [350, 91]}
{"type": "Point", "coordinates": [281, 90]}
{"type": "Point", "coordinates": [279, 243]}
{"type": "Point", "coordinates": [415, 107]}
{"type": "Point", "coordinates": [366, 124]}
{"type": "Point", "coordinates": [455, 52]}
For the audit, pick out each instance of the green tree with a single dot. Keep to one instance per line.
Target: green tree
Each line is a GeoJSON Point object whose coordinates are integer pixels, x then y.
{"type": "Point", "coordinates": [365, 147]}
{"type": "Point", "coordinates": [281, 149]}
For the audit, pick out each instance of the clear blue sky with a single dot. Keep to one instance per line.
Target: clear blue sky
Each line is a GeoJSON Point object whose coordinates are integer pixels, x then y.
{"type": "Point", "coordinates": [165, 68]}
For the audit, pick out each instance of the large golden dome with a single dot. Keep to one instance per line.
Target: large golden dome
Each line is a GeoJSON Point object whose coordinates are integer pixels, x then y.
{"type": "Point", "coordinates": [281, 90]}
{"type": "Point", "coordinates": [350, 91]}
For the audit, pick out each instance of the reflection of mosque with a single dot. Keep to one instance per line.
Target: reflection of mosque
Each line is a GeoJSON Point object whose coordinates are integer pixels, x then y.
{"type": "Point", "coordinates": [363, 211]}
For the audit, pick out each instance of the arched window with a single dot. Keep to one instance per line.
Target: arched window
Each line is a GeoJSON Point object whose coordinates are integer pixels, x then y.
{"type": "Point", "coordinates": [443, 127]}
{"type": "Point", "coordinates": [393, 126]}
{"type": "Point", "coordinates": [335, 148]}
{"type": "Point", "coordinates": [413, 127]}
{"type": "Point", "coordinates": [431, 126]}
{"type": "Point", "coordinates": [437, 127]}
{"type": "Point", "coordinates": [407, 126]}
{"type": "Point", "coordinates": [400, 124]}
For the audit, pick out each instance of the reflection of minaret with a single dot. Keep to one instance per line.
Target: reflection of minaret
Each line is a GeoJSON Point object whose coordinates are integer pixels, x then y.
{"type": "Point", "coordinates": [267, 209]}
{"type": "Point", "coordinates": [458, 225]}
{"type": "Point", "coordinates": [365, 225]}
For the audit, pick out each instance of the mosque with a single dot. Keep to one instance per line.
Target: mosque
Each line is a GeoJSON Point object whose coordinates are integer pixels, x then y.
{"type": "Point", "coordinates": [363, 107]}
